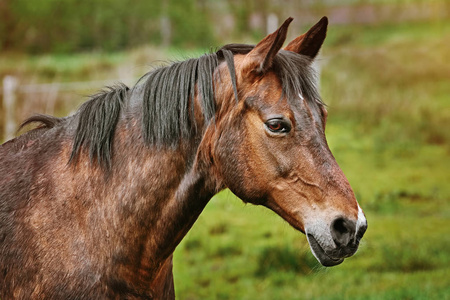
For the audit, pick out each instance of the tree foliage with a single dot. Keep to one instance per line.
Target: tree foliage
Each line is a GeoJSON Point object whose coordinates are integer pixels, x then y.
{"type": "Point", "coordinates": [70, 25]}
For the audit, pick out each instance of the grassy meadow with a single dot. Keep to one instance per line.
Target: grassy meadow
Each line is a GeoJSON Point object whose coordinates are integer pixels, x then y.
{"type": "Point", "coordinates": [388, 93]}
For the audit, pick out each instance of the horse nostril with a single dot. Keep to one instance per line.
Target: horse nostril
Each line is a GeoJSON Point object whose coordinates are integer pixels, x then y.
{"type": "Point", "coordinates": [339, 226]}
{"type": "Point", "coordinates": [343, 231]}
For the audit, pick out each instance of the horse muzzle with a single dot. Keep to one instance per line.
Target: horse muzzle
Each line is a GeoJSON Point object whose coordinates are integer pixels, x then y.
{"type": "Point", "coordinates": [341, 241]}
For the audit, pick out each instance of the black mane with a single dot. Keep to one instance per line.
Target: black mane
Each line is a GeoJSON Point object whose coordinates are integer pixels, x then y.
{"type": "Point", "coordinates": [97, 122]}
{"type": "Point", "coordinates": [167, 94]}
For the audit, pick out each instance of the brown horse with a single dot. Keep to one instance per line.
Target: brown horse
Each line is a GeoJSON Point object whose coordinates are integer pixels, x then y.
{"type": "Point", "coordinates": [93, 205]}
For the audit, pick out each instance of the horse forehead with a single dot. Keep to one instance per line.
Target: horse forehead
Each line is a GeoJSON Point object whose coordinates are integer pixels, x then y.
{"type": "Point", "coordinates": [267, 88]}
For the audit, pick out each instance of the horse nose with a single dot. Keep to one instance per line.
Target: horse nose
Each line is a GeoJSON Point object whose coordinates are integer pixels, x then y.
{"type": "Point", "coordinates": [343, 231]}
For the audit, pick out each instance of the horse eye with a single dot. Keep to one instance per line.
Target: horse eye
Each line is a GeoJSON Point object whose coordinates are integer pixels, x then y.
{"type": "Point", "coordinates": [278, 126]}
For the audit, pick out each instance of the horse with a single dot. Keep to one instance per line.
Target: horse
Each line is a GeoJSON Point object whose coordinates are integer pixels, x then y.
{"type": "Point", "coordinates": [93, 205]}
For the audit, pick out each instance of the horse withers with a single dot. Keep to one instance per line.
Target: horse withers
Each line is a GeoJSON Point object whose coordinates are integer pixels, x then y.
{"type": "Point", "coordinates": [93, 205]}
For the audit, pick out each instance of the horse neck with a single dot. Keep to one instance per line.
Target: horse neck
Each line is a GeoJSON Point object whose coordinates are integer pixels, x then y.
{"type": "Point", "coordinates": [171, 185]}
{"type": "Point", "coordinates": [166, 190]}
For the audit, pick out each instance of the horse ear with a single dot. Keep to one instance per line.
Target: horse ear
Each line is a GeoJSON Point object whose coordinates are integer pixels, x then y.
{"type": "Point", "coordinates": [261, 57]}
{"type": "Point", "coordinates": [309, 43]}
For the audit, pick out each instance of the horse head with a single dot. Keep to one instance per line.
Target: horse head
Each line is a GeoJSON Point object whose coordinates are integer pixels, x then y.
{"type": "Point", "coordinates": [270, 148]}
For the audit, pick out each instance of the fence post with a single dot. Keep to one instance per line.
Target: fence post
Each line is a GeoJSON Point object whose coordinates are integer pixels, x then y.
{"type": "Point", "coordinates": [10, 84]}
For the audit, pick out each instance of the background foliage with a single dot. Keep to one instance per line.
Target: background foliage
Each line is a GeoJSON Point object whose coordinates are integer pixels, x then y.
{"type": "Point", "coordinates": [70, 25]}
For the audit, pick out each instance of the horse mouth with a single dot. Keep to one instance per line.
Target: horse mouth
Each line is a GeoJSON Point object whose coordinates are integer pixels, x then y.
{"type": "Point", "coordinates": [320, 254]}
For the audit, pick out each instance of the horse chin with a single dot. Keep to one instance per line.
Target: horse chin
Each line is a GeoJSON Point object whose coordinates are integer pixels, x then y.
{"type": "Point", "coordinates": [318, 252]}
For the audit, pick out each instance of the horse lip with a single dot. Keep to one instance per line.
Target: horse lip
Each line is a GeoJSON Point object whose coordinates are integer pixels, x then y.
{"type": "Point", "coordinates": [320, 254]}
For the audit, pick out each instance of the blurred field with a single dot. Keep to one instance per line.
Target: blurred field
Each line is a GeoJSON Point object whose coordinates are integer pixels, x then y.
{"type": "Point", "coordinates": [388, 94]}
